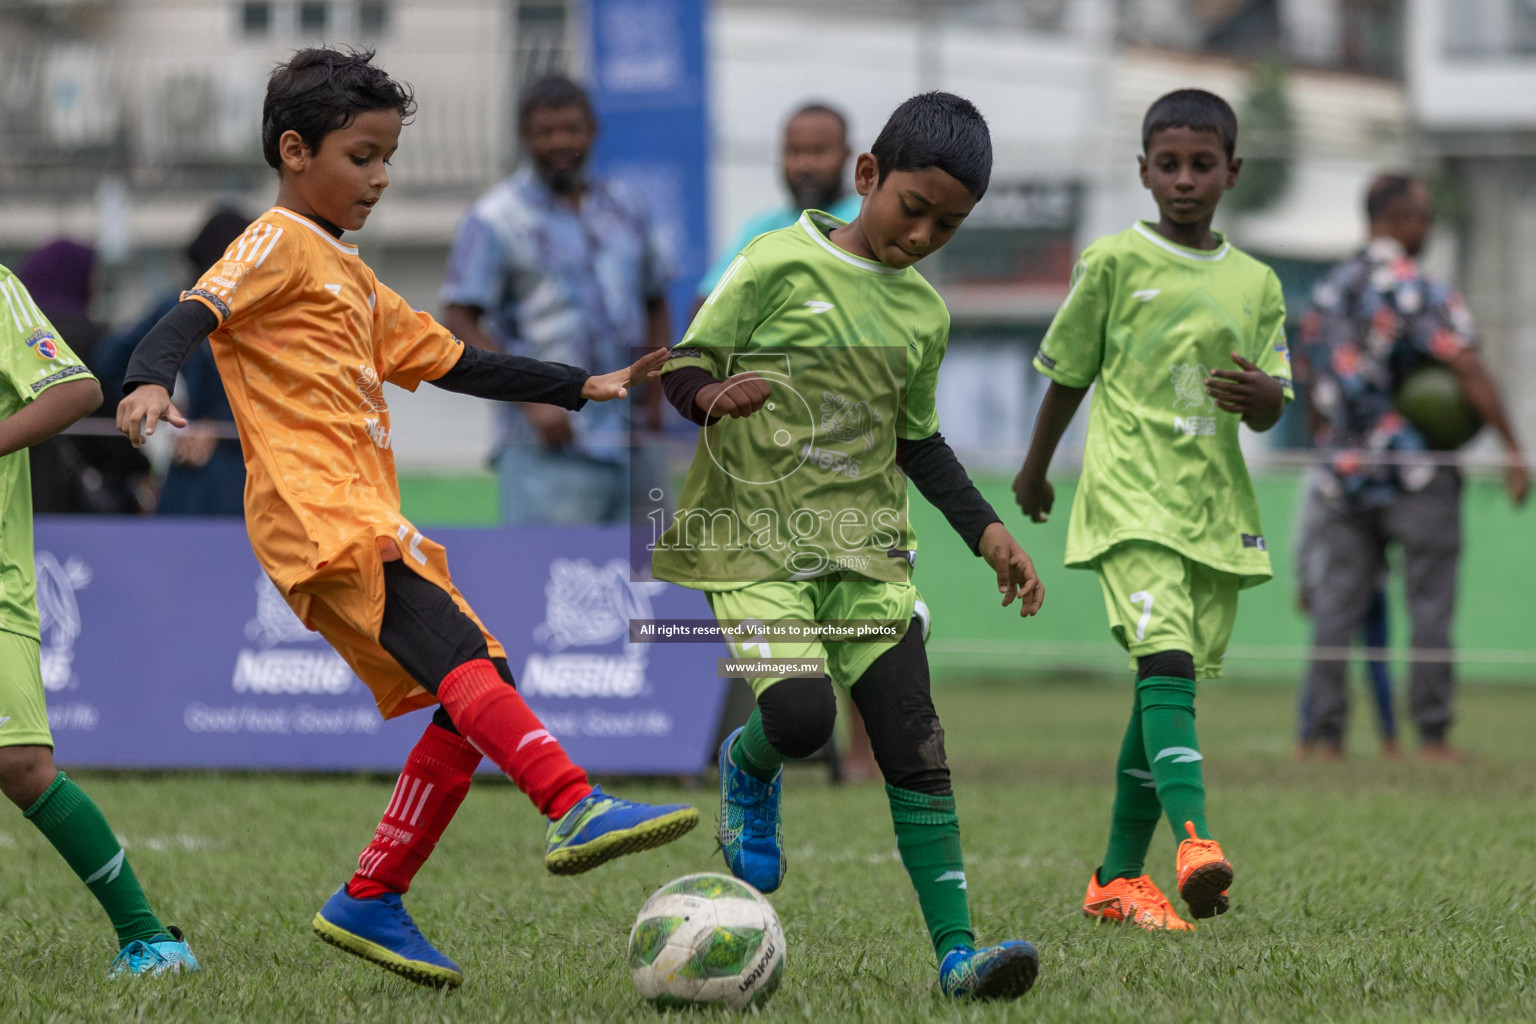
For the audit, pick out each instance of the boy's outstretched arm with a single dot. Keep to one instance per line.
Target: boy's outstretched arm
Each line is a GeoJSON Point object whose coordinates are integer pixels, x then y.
{"type": "Point", "coordinates": [1031, 489]}
{"type": "Point", "coordinates": [931, 465]}
{"type": "Point", "coordinates": [47, 414]}
{"type": "Point", "coordinates": [1250, 392]}
{"type": "Point", "coordinates": [152, 369]}
{"type": "Point", "coordinates": [507, 378]}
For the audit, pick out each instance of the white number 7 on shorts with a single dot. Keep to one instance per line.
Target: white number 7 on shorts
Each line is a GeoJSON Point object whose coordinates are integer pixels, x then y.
{"type": "Point", "coordinates": [1144, 599]}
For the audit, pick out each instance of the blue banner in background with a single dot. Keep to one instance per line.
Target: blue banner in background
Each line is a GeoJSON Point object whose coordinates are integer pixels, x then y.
{"type": "Point", "coordinates": [164, 645]}
{"type": "Point", "coordinates": [648, 85]}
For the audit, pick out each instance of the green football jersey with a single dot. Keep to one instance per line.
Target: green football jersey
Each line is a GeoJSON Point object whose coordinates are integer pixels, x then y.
{"type": "Point", "coordinates": [808, 484]}
{"type": "Point", "coordinates": [1149, 320]}
{"type": "Point", "coordinates": [33, 358]}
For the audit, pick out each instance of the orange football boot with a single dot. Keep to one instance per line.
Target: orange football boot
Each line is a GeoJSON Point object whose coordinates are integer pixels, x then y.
{"type": "Point", "coordinates": [1204, 875]}
{"type": "Point", "coordinates": [1136, 900]}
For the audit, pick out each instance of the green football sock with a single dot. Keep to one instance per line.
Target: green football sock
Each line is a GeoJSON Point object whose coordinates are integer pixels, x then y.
{"type": "Point", "coordinates": [1173, 753]}
{"type": "Point", "coordinates": [75, 826]}
{"type": "Point", "coordinates": [752, 752]}
{"type": "Point", "coordinates": [1134, 818]}
{"type": "Point", "coordinates": [928, 836]}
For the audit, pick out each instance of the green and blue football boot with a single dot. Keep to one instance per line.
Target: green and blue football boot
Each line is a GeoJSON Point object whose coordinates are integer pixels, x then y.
{"type": "Point", "coordinates": [751, 828]}
{"type": "Point", "coordinates": [1004, 971]}
{"type": "Point", "coordinates": [601, 827]}
{"type": "Point", "coordinates": [163, 954]}
{"type": "Point", "coordinates": [382, 932]}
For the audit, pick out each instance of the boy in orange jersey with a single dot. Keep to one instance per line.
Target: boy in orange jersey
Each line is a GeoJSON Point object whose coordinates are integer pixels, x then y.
{"type": "Point", "coordinates": [305, 338]}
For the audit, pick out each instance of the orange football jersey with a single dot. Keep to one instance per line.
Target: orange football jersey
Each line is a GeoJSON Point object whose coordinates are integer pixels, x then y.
{"type": "Point", "coordinates": [307, 338]}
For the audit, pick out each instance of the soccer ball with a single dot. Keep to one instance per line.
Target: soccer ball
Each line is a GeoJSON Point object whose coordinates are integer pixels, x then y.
{"type": "Point", "coordinates": [1432, 401]}
{"type": "Point", "coordinates": [707, 939]}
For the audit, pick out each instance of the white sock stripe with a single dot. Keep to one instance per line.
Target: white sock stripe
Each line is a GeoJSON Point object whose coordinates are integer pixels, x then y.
{"type": "Point", "coordinates": [421, 803]}
{"type": "Point", "coordinates": [394, 797]}
{"type": "Point", "coordinates": [404, 807]}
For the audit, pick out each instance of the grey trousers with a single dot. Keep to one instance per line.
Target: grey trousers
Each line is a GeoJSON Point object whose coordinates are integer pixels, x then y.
{"type": "Point", "coordinates": [1426, 524]}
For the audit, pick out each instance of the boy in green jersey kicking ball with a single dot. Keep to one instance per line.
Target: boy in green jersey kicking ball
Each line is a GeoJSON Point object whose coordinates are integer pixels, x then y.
{"type": "Point", "coordinates": [46, 389]}
{"type": "Point", "coordinates": [1165, 512]}
{"type": "Point", "coordinates": [811, 368]}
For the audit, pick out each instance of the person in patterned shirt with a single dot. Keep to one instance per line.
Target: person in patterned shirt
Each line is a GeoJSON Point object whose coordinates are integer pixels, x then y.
{"type": "Point", "coordinates": [1375, 319]}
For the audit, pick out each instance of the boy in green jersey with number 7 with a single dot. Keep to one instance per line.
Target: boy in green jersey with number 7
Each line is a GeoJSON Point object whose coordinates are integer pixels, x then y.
{"type": "Point", "coordinates": [1165, 513]}
{"type": "Point", "coordinates": [812, 369]}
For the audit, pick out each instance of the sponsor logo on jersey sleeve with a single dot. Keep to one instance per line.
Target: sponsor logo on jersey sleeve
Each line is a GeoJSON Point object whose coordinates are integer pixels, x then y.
{"type": "Point", "coordinates": [45, 343]}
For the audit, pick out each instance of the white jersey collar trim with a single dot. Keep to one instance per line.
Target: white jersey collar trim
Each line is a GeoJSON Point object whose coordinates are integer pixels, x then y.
{"type": "Point", "coordinates": [826, 243]}
{"type": "Point", "coordinates": [1179, 250]}
{"type": "Point", "coordinates": [350, 250]}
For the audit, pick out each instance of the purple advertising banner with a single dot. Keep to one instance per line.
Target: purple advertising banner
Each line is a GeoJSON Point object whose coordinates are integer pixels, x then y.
{"type": "Point", "coordinates": [164, 645]}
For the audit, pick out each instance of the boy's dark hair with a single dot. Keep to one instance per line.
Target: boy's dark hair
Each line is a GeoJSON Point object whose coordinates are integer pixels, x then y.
{"type": "Point", "coordinates": [550, 93]}
{"type": "Point", "coordinates": [1385, 190]}
{"type": "Point", "coordinates": [1195, 109]}
{"type": "Point", "coordinates": [320, 91]}
{"type": "Point", "coordinates": [817, 107]}
{"type": "Point", "coordinates": [937, 129]}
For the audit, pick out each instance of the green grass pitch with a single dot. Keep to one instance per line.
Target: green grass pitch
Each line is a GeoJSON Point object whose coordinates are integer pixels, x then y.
{"type": "Point", "coordinates": [1366, 890]}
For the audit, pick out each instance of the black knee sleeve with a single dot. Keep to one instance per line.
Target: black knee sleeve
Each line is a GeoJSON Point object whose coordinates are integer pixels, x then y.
{"type": "Point", "coordinates": [798, 715]}
{"type": "Point", "coordinates": [1180, 664]}
{"type": "Point", "coordinates": [424, 630]}
{"type": "Point", "coordinates": [894, 698]}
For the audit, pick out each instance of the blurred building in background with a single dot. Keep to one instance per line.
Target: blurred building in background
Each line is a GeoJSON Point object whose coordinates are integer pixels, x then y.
{"type": "Point", "coordinates": [1472, 84]}
{"type": "Point", "coordinates": [123, 121]}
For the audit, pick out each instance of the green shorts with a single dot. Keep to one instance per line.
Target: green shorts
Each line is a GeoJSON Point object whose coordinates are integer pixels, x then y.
{"type": "Point", "coordinates": [1158, 600]}
{"type": "Point", "coordinates": [837, 596]}
{"type": "Point", "coordinates": [23, 712]}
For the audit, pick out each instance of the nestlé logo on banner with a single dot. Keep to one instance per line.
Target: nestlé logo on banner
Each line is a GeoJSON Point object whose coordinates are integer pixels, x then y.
{"type": "Point", "coordinates": [588, 605]}
{"type": "Point", "coordinates": [59, 625]}
{"type": "Point", "coordinates": [310, 671]}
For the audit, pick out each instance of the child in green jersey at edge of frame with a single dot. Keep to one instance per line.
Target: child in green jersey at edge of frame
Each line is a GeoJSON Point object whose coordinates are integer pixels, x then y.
{"type": "Point", "coordinates": [46, 389]}
{"type": "Point", "coordinates": [1165, 512]}
{"type": "Point", "coordinates": [831, 316]}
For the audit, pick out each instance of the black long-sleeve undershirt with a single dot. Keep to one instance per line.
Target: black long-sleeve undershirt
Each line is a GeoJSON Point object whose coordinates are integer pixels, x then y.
{"type": "Point", "coordinates": [682, 387]}
{"type": "Point", "coordinates": [930, 463]}
{"type": "Point", "coordinates": [158, 357]}
{"type": "Point", "coordinates": [493, 375]}
{"type": "Point", "coordinates": [506, 378]}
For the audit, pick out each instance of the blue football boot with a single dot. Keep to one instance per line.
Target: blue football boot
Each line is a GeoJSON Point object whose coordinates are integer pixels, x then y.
{"type": "Point", "coordinates": [163, 954]}
{"type": "Point", "coordinates": [1004, 971]}
{"type": "Point", "coordinates": [751, 828]}
{"type": "Point", "coordinates": [601, 827]}
{"type": "Point", "coordinates": [381, 932]}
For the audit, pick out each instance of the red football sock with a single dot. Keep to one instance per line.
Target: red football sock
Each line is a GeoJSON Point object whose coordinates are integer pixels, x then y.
{"type": "Point", "coordinates": [492, 715]}
{"type": "Point", "coordinates": [432, 786]}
